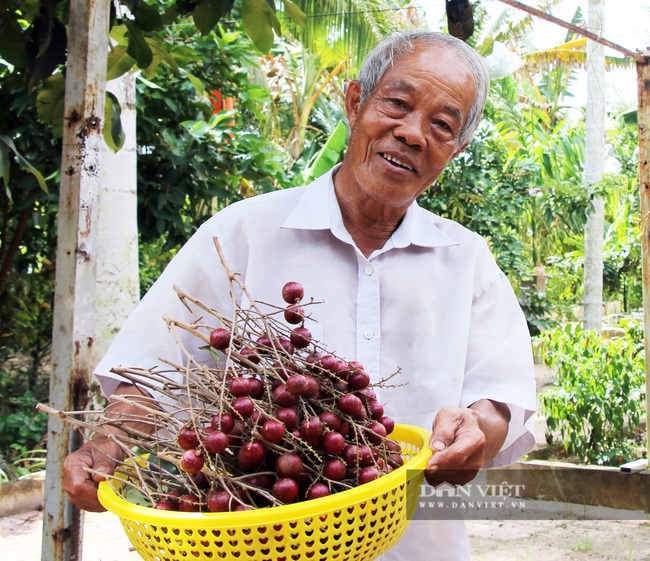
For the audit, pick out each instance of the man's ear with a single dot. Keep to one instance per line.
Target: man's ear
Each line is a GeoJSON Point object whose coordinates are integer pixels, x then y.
{"type": "Point", "coordinates": [460, 150]}
{"type": "Point", "coordinates": [352, 101]}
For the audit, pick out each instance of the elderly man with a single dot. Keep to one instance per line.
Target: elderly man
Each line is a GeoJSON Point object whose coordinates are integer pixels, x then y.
{"type": "Point", "coordinates": [401, 287]}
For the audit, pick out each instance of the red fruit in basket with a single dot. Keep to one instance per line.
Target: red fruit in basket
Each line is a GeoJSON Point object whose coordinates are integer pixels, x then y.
{"type": "Point", "coordinates": [368, 474]}
{"type": "Point", "coordinates": [300, 337]}
{"type": "Point", "coordinates": [172, 497]}
{"type": "Point", "coordinates": [243, 407]}
{"type": "Point", "coordinates": [289, 465]}
{"type": "Point", "coordinates": [187, 438]}
{"type": "Point", "coordinates": [313, 389]}
{"type": "Point", "coordinates": [330, 420]}
{"type": "Point", "coordinates": [164, 505]}
{"type": "Point", "coordinates": [292, 292]}
{"type": "Point", "coordinates": [395, 460]}
{"type": "Point", "coordinates": [376, 410]}
{"type": "Point", "coordinates": [284, 344]}
{"type": "Point", "coordinates": [366, 395]}
{"type": "Point", "coordinates": [220, 338]}
{"type": "Point", "coordinates": [317, 491]}
{"type": "Point", "coordinates": [192, 461]}
{"type": "Point", "coordinates": [262, 480]}
{"type": "Point", "coordinates": [251, 455]}
{"type": "Point", "coordinates": [287, 416]}
{"type": "Point", "coordinates": [377, 432]}
{"type": "Point", "coordinates": [296, 384]}
{"type": "Point", "coordinates": [333, 443]}
{"type": "Point", "coordinates": [330, 363]}
{"type": "Point", "coordinates": [365, 455]}
{"type": "Point", "coordinates": [240, 387]}
{"type": "Point", "coordinates": [344, 429]}
{"type": "Point", "coordinates": [273, 431]}
{"type": "Point", "coordinates": [334, 469]}
{"type": "Point", "coordinates": [283, 398]}
{"type": "Point", "coordinates": [340, 386]}
{"type": "Point", "coordinates": [351, 405]}
{"type": "Point", "coordinates": [285, 490]}
{"type": "Point", "coordinates": [237, 433]}
{"type": "Point", "coordinates": [311, 428]}
{"type": "Point", "coordinates": [251, 355]}
{"type": "Point", "coordinates": [256, 388]}
{"type": "Point", "coordinates": [216, 441]}
{"type": "Point", "coordinates": [224, 422]}
{"type": "Point", "coordinates": [388, 423]}
{"type": "Point", "coordinates": [294, 314]}
{"type": "Point", "coordinates": [350, 455]}
{"type": "Point", "coordinates": [219, 501]}
{"type": "Point", "coordinates": [313, 360]}
{"type": "Point", "coordinates": [359, 380]}
{"type": "Point", "coordinates": [189, 503]}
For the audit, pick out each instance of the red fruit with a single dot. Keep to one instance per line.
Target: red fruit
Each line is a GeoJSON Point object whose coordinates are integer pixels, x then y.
{"type": "Point", "coordinates": [285, 490]}
{"type": "Point", "coordinates": [368, 474]}
{"type": "Point", "coordinates": [216, 441]}
{"type": "Point", "coordinates": [300, 337]}
{"type": "Point", "coordinates": [265, 342]}
{"type": "Point", "coordinates": [287, 416]}
{"type": "Point", "coordinates": [359, 380]}
{"type": "Point", "coordinates": [376, 410]}
{"type": "Point", "coordinates": [296, 384]}
{"type": "Point", "coordinates": [257, 388]}
{"type": "Point", "coordinates": [311, 428]}
{"type": "Point", "coordinates": [350, 455]}
{"type": "Point", "coordinates": [333, 443]}
{"type": "Point", "coordinates": [224, 422]}
{"type": "Point", "coordinates": [355, 366]}
{"type": "Point", "coordinates": [286, 345]}
{"type": "Point", "coordinates": [313, 360]}
{"type": "Point", "coordinates": [251, 355]}
{"type": "Point", "coordinates": [331, 420]}
{"type": "Point", "coordinates": [316, 491]}
{"type": "Point", "coordinates": [251, 455]}
{"type": "Point", "coordinates": [365, 455]}
{"type": "Point", "coordinates": [172, 497]}
{"type": "Point", "coordinates": [292, 292]}
{"type": "Point", "coordinates": [345, 428]}
{"type": "Point", "coordinates": [189, 503]}
{"type": "Point", "coordinates": [313, 388]}
{"type": "Point", "coordinates": [243, 407]}
{"type": "Point", "coordinates": [192, 461]}
{"type": "Point", "coordinates": [240, 387]}
{"type": "Point", "coordinates": [187, 438]}
{"type": "Point", "coordinates": [395, 460]}
{"type": "Point", "coordinates": [377, 432]}
{"type": "Point", "coordinates": [367, 395]}
{"type": "Point", "coordinates": [388, 423]}
{"type": "Point", "coordinates": [334, 469]}
{"type": "Point", "coordinates": [237, 433]}
{"type": "Point", "coordinates": [219, 501]}
{"type": "Point", "coordinates": [294, 314]}
{"type": "Point", "coordinates": [289, 465]}
{"type": "Point", "coordinates": [262, 480]}
{"type": "Point", "coordinates": [164, 505]}
{"type": "Point", "coordinates": [340, 386]}
{"type": "Point", "coordinates": [273, 431]}
{"type": "Point", "coordinates": [330, 363]}
{"type": "Point", "coordinates": [220, 339]}
{"type": "Point", "coordinates": [283, 398]}
{"type": "Point", "coordinates": [393, 446]}
{"type": "Point", "coordinates": [351, 405]}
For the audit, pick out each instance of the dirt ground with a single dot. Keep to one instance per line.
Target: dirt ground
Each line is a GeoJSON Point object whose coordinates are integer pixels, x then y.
{"type": "Point", "coordinates": [552, 538]}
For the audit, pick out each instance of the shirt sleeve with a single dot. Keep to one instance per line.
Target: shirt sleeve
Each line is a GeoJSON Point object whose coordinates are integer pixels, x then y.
{"type": "Point", "coordinates": [146, 341]}
{"type": "Point", "coordinates": [500, 362]}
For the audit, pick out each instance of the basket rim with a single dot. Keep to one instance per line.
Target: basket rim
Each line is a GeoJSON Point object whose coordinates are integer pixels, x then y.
{"type": "Point", "coordinates": [418, 436]}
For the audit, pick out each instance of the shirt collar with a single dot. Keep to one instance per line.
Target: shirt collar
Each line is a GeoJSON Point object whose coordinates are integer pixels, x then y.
{"type": "Point", "coordinates": [318, 209]}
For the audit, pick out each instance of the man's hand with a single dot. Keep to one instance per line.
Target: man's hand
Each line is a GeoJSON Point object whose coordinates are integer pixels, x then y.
{"type": "Point", "coordinates": [100, 454]}
{"type": "Point", "coordinates": [464, 439]}
{"type": "Point", "coordinates": [103, 453]}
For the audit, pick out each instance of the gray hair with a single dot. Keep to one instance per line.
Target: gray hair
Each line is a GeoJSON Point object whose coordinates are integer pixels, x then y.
{"type": "Point", "coordinates": [400, 44]}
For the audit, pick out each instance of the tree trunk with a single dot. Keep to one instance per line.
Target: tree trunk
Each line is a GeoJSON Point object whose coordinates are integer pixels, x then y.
{"type": "Point", "coordinates": [73, 326]}
{"type": "Point", "coordinates": [117, 229]}
{"type": "Point", "coordinates": [595, 156]}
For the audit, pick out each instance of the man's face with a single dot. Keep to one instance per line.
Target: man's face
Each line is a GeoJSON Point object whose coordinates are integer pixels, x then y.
{"type": "Point", "coordinates": [407, 131]}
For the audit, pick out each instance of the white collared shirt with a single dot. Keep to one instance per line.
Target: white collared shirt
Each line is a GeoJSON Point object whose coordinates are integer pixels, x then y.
{"type": "Point", "coordinates": [431, 303]}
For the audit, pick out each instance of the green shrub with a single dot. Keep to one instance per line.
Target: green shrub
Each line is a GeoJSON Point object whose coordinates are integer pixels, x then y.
{"type": "Point", "coordinates": [598, 398]}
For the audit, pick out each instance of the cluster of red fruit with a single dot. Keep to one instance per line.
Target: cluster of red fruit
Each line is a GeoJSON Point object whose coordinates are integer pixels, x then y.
{"type": "Point", "coordinates": [291, 424]}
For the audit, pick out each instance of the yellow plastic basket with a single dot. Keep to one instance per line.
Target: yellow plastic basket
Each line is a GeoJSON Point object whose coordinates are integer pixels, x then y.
{"type": "Point", "coordinates": [358, 524]}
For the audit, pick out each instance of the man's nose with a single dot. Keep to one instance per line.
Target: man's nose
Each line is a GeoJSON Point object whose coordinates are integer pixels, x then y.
{"type": "Point", "coordinates": [411, 131]}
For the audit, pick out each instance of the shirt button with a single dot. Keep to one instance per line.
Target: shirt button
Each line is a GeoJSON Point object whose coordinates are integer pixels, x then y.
{"type": "Point", "coordinates": [368, 334]}
{"type": "Point", "coordinates": [369, 270]}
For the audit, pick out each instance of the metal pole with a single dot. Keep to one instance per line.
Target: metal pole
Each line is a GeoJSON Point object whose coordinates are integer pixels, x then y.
{"type": "Point", "coordinates": [75, 262]}
{"type": "Point", "coordinates": [643, 72]}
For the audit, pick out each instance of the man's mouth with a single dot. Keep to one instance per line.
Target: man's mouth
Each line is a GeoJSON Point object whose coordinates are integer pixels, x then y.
{"type": "Point", "coordinates": [397, 162]}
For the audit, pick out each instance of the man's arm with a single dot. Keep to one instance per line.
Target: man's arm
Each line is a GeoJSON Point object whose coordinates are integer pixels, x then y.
{"type": "Point", "coordinates": [463, 439]}
{"type": "Point", "coordinates": [102, 453]}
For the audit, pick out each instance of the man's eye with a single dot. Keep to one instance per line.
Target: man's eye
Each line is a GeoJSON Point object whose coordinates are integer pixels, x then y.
{"type": "Point", "coordinates": [397, 102]}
